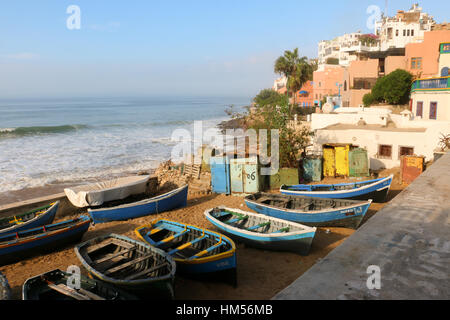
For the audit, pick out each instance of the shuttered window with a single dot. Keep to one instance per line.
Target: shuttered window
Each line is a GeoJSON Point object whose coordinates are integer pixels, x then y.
{"type": "Point", "coordinates": [419, 110]}
{"type": "Point", "coordinates": [385, 151]}
{"type": "Point", "coordinates": [433, 110]}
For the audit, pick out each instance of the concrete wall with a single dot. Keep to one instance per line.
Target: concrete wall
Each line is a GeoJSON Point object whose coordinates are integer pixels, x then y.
{"type": "Point", "coordinates": [408, 240]}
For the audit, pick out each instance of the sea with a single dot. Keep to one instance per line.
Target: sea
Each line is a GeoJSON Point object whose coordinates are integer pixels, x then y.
{"type": "Point", "coordinates": [51, 141]}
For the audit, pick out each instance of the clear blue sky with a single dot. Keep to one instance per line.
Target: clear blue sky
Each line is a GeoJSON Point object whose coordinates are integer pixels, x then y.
{"type": "Point", "coordinates": [185, 47]}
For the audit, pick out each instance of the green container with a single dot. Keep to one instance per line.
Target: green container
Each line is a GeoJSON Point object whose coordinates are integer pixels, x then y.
{"type": "Point", "coordinates": [312, 169]}
{"type": "Point", "coordinates": [288, 176]}
{"type": "Point", "coordinates": [358, 162]}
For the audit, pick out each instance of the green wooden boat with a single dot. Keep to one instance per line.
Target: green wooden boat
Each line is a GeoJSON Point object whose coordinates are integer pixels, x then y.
{"type": "Point", "coordinates": [55, 285]}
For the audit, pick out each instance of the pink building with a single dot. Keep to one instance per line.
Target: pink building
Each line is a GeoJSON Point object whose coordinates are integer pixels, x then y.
{"type": "Point", "coordinates": [327, 81]}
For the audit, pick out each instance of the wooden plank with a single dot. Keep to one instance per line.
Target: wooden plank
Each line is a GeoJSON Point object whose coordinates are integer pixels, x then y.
{"type": "Point", "coordinates": [65, 290]}
{"type": "Point", "coordinates": [107, 242]}
{"type": "Point", "coordinates": [137, 275]}
{"type": "Point", "coordinates": [111, 256]}
{"type": "Point", "coordinates": [127, 264]}
{"type": "Point", "coordinates": [91, 295]}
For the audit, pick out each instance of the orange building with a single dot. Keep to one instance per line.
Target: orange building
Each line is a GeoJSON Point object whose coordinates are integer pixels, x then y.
{"type": "Point", "coordinates": [327, 81]}
{"type": "Point", "coordinates": [305, 96]}
{"type": "Point", "coordinates": [422, 59]}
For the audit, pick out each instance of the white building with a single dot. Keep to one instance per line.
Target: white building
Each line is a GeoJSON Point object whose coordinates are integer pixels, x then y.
{"type": "Point", "coordinates": [405, 27]}
{"type": "Point", "coordinates": [384, 135]}
{"type": "Point", "coordinates": [279, 83]}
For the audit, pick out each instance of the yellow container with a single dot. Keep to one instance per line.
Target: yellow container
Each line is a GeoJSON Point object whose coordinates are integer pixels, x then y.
{"type": "Point", "coordinates": [341, 154]}
{"type": "Point", "coordinates": [329, 162]}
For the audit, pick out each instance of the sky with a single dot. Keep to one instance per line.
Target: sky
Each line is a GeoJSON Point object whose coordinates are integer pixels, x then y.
{"type": "Point", "coordinates": [185, 47]}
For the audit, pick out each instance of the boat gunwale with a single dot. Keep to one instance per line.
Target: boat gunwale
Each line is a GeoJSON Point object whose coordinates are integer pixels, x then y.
{"type": "Point", "coordinates": [356, 204]}
{"type": "Point", "coordinates": [306, 230]}
{"type": "Point", "coordinates": [48, 207]}
{"type": "Point", "coordinates": [17, 242]}
{"type": "Point", "coordinates": [331, 192]}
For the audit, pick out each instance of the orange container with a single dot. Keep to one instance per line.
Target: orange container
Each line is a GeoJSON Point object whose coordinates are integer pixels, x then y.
{"type": "Point", "coordinates": [411, 168]}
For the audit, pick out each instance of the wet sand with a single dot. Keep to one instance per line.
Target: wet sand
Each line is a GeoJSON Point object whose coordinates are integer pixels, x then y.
{"type": "Point", "coordinates": [261, 274]}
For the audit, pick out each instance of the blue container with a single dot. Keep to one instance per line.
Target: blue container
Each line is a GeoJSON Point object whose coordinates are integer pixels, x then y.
{"type": "Point", "coordinates": [312, 169]}
{"type": "Point", "coordinates": [220, 174]}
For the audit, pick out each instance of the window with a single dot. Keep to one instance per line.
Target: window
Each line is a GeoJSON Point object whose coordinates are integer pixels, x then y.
{"type": "Point", "coordinates": [405, 151]}
{"type": "Point", "coordinates": [433, 110]}
{"type": "Point", "coordinates": [364, 83]}
{"type": "Point", "coordinates": [384, 151]}
{"type": "Point", "coordinates": [408, 32]}
{"type": "Point", "coordinates": [416, 63]}
{"type": "Point", "coordinates": [412, 33]}
{"type": "Point", "coordinates": [419, 110]}
{"type": "Point", "coordinates": [396, 33]}
{"type": "Point", "coordinates": [404, 33]}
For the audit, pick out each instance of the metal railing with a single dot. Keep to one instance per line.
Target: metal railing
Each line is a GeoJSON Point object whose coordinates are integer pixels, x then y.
{"type": "Point", "coordinates": [442, 83]}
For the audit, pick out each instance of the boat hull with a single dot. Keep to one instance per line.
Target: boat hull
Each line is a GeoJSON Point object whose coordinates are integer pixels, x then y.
{"type": "Point", "coordinates": [348, 217]}
{"type": "Point", "coordinates": [168, 201]}
{"type": "Point", "coordinates": [377, 192]}
{"type": "Point", "coordinates": [161, 288]}
{"type": "Point", "coordinates": [36, 288]}
{"type": "Point", "coordinates": [40, 220]}
{"type": "Point", "coordinates": [14, 251]}
{"type": "Point", "coordinates": [297, 242]}
{"type": "Point", "coordinates": [211, 267]}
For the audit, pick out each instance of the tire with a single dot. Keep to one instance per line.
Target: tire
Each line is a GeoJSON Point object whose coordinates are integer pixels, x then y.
{"type": "Point", "coordinates": [5, 291]}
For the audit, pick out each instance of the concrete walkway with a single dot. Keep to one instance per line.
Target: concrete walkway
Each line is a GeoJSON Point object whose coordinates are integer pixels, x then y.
{"type": "Point", "coordinates": [409, 240]}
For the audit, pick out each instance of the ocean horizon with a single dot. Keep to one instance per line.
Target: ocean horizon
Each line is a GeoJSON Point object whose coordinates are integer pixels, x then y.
{"type": "Point", "coordinates": [58, 140]}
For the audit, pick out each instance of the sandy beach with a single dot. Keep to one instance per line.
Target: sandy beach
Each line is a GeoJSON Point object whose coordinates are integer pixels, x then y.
{"type": "Point", "coordinates": [267, 271]}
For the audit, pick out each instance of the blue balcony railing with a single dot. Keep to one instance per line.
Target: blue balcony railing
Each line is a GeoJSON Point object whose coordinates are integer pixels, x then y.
{"type": "Point", "coordinates": [442, 83]}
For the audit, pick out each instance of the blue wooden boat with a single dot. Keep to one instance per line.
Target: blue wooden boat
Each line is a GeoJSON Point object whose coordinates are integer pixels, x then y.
{"type": "Point", "coordinates": [18, 245]}
{"type": "Point", "coordinates": [315, 212]}
{"type": "Point", "coordinates": [198, 252]}
{"type": "Point", "coordinates": [131, 265]}
{"type": "Point", "coordinates": [376, 190]}
{"type": "Point", "coordinates": [29, 220]}
{"type": "Point", "coordinates": [53, 285]}
{"type": "Point", "coordinates": [261, 231]}
{"type": "Point", "coordinates": [171, 200]}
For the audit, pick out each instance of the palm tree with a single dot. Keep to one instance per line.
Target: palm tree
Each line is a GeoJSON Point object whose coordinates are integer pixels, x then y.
{"type": "Point", "coordinates": [297, 70]}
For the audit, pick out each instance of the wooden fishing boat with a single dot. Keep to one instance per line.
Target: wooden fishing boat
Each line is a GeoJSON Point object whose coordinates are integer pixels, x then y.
{"type": "Point", "coordinates": [29, 220]}
{"type": "Point", "coordinates": [18, 245]}
{"type": "Point", "coordinates": [376, 190]}
{"type": "Point", "coordinates": [5, 290]}
{"type": "Point", "coordinates": [171, 200]}
{"type": "Point", "coordinates": [56, 285]}
{"type": "Point", "coordinates": [262, 231]}
{"type": "Point", "coordinates": [315, 212]}
{"type": "Point", "coordinates": [198, 252]}
{"type": "Point", "coordinates": [97, 193]}
{"type": "Point", "coordinates": [128, 264]}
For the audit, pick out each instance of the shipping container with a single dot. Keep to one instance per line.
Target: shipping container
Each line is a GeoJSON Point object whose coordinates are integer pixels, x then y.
{"type": "Point", "coordinates": [220, 174]}
{"type": "Point", "coordinates": [244, 175]}
{"type": "Point", "coordinates": [411, 168]}
{"type": "Point", "coordinates": [341, 154]}
{"type": "Point", "coordinates": [358, 163]}
{"type": "Point", "coordinates": [329, 162]}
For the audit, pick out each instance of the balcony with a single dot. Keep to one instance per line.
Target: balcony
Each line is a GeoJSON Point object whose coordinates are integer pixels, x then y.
{"type": "Point", "coordinates": [432, 84]}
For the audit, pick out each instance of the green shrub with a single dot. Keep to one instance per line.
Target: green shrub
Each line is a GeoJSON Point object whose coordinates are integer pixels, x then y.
{"type": "Point", "coordinates": [393, 88]}
{"type": "Point", "coordinates": [368, 99]}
